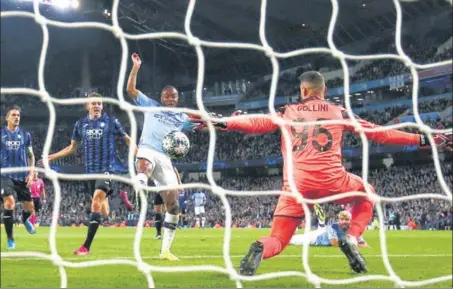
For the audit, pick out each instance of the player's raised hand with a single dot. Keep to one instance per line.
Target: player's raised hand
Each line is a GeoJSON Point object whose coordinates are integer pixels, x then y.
{"type": "Point", "coordinates": [136, 60]}
{"type": "Point", "coordinates": [443, 141]}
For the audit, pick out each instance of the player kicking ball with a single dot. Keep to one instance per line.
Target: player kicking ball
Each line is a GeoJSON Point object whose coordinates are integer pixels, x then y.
{"type": "Point", "coordinates": [328, 236]}
{"type": "Point", "coordinates": [316, 151]}
{"type": "Point", "coordinates": [152, 162]}
{"type": "Point", "coordinates": [96, 133]}
{"type": "Point", "coordinates": [17, 152]}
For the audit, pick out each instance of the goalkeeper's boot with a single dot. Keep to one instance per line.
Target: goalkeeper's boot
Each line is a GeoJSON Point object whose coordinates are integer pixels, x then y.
{"type": "Point", "coordinates": [82, 251]}
{"type": "Point", "coordinates": [167, 255]}
{"type": "Point", "coordinates": [320, 214]}
{"type": "Point", "coordinates": [29, 226]}
{"type": "Point", "coordinates": [158, 237]}
{"type": "Point", "coordinates": [348, 246]}
{"type": "Point", "coordinates": [252, 260]}
{"type": "Point", "coordinates": [11, 244]}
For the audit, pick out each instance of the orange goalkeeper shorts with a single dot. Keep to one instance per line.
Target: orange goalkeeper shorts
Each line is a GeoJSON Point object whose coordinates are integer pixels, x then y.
{"type": "Point", "coordinates": [288, 206]}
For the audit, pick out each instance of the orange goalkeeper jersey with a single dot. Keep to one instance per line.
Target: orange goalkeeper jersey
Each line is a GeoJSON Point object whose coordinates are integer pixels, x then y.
{"type": "Point", "coordinates": [316, 150]}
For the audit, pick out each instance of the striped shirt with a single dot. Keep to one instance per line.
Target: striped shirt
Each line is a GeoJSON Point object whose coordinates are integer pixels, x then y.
{"type": "Point", "coordinates": [14, 152]}
{"type": "Point", "coordinates": [98, 138]}
{"type": "Point", "coordinates": [182, 200]}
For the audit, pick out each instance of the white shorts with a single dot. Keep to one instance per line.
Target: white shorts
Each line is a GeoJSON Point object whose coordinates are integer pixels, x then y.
{"type": "Point", "coordinates": [299, 239]}
{"type": "Point", "coordinates": [199, 210]}
{"type": "Point", "coordinates": [163, 172]}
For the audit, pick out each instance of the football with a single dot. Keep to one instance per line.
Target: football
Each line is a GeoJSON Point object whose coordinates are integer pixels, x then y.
{"type": "Point", "coordinates": [176, 144]}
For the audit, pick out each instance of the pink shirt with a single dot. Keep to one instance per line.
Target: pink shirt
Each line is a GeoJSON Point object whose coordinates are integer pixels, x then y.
{"type": "Point", "coordinates": [36, 188]}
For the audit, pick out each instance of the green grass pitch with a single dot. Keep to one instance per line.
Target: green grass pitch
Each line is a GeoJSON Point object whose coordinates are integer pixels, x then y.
{"type": "Point", "coordinates": [414, 255]}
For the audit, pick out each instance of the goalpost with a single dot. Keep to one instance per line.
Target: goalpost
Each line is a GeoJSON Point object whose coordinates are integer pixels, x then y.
{"type": "Point", "coordinates": [229, 268]}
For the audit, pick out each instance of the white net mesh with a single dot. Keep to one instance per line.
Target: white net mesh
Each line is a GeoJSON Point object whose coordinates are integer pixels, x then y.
{"type": "Point", "coordinates": [229, 269]}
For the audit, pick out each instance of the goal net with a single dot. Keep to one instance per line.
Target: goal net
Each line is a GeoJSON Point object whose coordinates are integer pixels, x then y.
{"type": "Point", "coordinates": [265, 48]}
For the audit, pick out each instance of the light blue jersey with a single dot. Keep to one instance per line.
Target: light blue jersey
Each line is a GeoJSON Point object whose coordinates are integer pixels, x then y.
{"type": "Point", "coordinates": [158, 124]}
{"type": "Point", "coordinates": [331, 232]}
{"type": "Point", "coordinates": [199, 199]}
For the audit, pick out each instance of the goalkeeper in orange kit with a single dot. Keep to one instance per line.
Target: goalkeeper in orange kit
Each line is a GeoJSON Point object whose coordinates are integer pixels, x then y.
{"type": "Point", "coordinates": [318, 171]}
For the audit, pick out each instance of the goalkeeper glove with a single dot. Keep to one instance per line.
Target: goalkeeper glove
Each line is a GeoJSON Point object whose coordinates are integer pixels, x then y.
{"type": "Point", "coordinates": [442, 141]}
{"type": "Point", "coordinates": [223, 125]}
{"type": "Point", "coordinates": [195, 118]}
{"type": "Point", "coordinates": [220, 124]}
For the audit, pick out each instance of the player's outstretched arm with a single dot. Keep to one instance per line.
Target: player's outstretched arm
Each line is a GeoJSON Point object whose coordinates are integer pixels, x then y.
{"type": "Point", "coordinates": [132, 80]}
{"type": "Point", "coordinates": [397, 137]}
{"type": "Point", "coordinates": [254, 125]}
{"type": "Point", "coordinates": [119, 132]}
{"type": "Point", "coordinates": [67, 151]}
{"type": "Point", "coordinates": [195, 122]}
{"type": "Point", "coordinates": [130, 143]}
{"type": "Point", "coordinates": [138, 97]}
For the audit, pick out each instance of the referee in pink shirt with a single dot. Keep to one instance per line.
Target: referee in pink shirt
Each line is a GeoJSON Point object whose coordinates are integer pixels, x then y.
{"type": "Point", "coordinates": [37, 190]}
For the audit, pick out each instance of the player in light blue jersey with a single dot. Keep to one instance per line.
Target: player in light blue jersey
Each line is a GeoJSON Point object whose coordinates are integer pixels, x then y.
{"type": "Point", "coordinates": [152, 162]}
{"type": "Point", "coordinates": [199, 200]}
{"type": "Point", "coordinates": [329, 235]}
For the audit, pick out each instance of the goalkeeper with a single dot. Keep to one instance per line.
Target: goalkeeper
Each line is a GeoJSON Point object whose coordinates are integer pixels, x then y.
{"type": "Point", "coordinates": [316, 151]}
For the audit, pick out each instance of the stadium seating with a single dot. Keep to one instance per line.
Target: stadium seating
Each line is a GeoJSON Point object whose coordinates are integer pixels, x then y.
{"type": "Point", "coordinates": [253, 210]}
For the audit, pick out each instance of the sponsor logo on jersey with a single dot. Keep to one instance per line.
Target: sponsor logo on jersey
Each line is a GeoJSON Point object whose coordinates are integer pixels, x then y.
{"type": "Point", "coordinates": [167, 120]}
{"type": "Point", "coordinates": [94, 133]}
{"type": "Point", "coordinates": [12, 145]}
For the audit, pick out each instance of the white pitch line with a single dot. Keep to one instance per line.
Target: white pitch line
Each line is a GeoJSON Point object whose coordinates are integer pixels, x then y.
{"type": "Point", "coordinates": [235, 256]}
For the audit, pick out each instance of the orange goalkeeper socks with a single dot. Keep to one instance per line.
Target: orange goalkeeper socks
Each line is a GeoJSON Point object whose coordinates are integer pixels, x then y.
{"type": "Point", "coordinates": [281, 232]}
{"type": "Point", "coordinates": [271, 246]}
{"type": "Point", "coordinates": [361, 212]}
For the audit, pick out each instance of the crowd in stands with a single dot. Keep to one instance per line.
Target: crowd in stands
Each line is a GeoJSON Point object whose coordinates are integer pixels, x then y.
{"type": "Point", "coordinates": [257, 210]}
{"type": "Point", "coordinates": [253, 210]}
{"type": "Point", "coordinates": [420, 50]}
{"type": "Point", "coordinates": [231, 145]}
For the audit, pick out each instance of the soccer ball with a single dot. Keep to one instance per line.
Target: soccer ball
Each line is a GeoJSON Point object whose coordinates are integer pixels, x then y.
{"type": "Point", "coordinates": [176, 144]}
